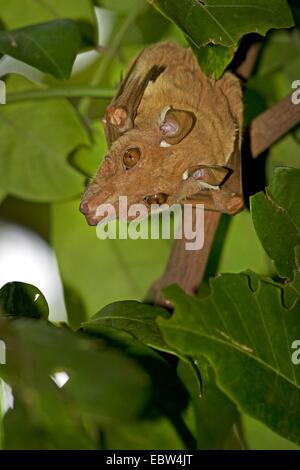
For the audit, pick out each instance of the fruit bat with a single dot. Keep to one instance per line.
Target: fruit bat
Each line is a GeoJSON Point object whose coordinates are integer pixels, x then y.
{"type": "Point", "coordinates": [174, 136]}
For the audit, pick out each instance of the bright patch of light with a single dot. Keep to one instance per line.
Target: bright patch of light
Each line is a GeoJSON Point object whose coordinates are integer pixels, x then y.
{"type": "Point", "coordinates": [11, 65]}
{"type": "Point", "coordinates": [6, 398]}
{"type": "Point", "coordinates": [105, 19]}
{"type": "Point", "coordinates": [26, 257]}
{"type": "Point", "coordinates": [60, 378]}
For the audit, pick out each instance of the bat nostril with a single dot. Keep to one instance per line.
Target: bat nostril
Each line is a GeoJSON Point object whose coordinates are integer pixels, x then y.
{"type": "Point", "coordinates": [84, 207]}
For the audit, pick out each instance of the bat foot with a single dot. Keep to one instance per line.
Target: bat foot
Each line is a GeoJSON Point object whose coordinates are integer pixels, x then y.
{"type": "Point", "coordinates": [234, 205]}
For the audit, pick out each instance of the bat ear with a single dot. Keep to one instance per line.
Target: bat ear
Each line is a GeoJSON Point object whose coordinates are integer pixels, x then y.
{"type": "Point", "coordinates": [231, 87]}
{"type": "Point", "coordinates": [175, 125]}
{"type": "Point", "coordinates": [213, 175]}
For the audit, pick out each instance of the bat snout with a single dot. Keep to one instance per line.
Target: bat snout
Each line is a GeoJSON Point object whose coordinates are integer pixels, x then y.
{"type": "Point", "coordinates": [84, 207]}
{"type": "Point", "coordinates": [89, 214]}
{"type": "Point", "coordinates": [90, 207]}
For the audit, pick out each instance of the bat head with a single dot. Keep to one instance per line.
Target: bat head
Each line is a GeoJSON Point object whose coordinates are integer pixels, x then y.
{"type": "Point", "coordinates": [141, 169]}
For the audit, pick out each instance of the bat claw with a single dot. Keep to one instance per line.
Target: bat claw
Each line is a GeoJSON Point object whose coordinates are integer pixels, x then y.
{"type": "Point", "coordinates": [234, 205]}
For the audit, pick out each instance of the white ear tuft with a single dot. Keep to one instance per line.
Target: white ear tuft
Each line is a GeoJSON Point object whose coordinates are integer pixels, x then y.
{"type": "Point", "coordinates": [185, 175]}
{"type": "Point", "coordinates": [162, 114]}
{"type": "Point", "coordinates": [164, 144]}
{"type": "Point", "coordinates": [204, 185]}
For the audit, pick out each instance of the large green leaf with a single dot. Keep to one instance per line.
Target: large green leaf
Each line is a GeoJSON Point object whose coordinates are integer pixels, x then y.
{"type": "Point", "coordinates": [139, 320]}
{"type": "Point", "coordinates": [292, 289]}
{"type": "Point", "coordinates": [260, 437]}
{"type": "Point", "coordinates": [223, 22]}
{"type": "Point", "coordinates": [245, 332]}
{"type": "Point", "coordinates": [149, 434]}
{"type": "Point", "coordinates": [23, 430]}
{"type": "Point", "coordinates": [41, 46]}
{"type": "Point", "coordinates": [37, 350]}
{"type": "Point", "coordinates": [35, 141]}
{"type": "Point", "coordinates": [135, 318]}
{"type": "Point", "coordinates": [20, 299]}
{"type": "Point", "coordinates": [19, 13]}
{"type": "Point", "coordinates": [276, 217]}
{"type": "Point", "coordinates": [215, 415]}
{"type": "Point", "coordinates": [163, 377]}
{"type": "Point", "coordinates": [220, 24]}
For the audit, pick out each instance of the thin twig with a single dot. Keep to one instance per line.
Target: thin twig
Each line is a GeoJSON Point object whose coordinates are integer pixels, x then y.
{"type": "Point", "coordinates": [60, 92]}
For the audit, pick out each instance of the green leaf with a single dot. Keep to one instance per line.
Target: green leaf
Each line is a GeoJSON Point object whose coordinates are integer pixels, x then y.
{"type": "Point", "coordinates": [292, 289]}
{"type": "Point", "coordinates": [23, 431]}
{"type": "Point", "coordinates": [246, 335]}
{"type": "Point", "coordinates": [20, 299]}
{"type": "Point", "coordinates": [35, 141]}
{"type": "Point", "coordinates": [149, 434]}
{"type": "Point", "coordinates": [103, 271]}
{"type": "Point", "coordinates": [259, 437]}
{"type": "Point", "coordinates": [87, 160]}
{"type": "Point", "coordinates": [19, 13]}
{"type": "Point", "coordinates": [139, 320]}
{"type": "Point", "coordinates": [2, 196]}
{"type": "Point", "coordinates": [215, 415]}
{"type": "Point", "coordinates": [97, 372]}
{"type": "Point", "coordinates": [41, 46]}
{"type": "Point", "coordinates": [276, 217]}
{"type": "Point", "coordinates": [213, 59]}
{"type": "Point", "coordinates": [135, 318]}
{"type": "Point", "coordinates": [223, 22]}
{"type": "Point", "coordinates": [164, 380]}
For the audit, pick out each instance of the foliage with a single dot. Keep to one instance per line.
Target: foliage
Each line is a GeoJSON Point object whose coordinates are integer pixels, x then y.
{"type": "Point", "coordinates": [216, 371]}
{"type": "Point", "coordinates": [214, 28]}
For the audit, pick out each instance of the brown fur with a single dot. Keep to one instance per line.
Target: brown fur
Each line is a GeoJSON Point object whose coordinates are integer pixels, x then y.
{"type": "Point", "coordinates": [163, 76]}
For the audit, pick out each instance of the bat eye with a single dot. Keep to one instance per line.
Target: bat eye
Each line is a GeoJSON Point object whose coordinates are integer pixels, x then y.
{"type": "Point", "coordinates": [131, 157]}
{"type": "Point", "coordinates": [159, 198]}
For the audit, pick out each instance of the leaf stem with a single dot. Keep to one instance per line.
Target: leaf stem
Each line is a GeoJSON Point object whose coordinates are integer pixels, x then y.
{"type": "Point", "coordinates": [111, 52]}
{"type": "Point", "coordinates": [60, 92]}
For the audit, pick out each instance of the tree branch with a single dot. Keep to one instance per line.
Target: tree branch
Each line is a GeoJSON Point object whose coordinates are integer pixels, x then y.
{"type": "Point", "coordinates": [269, 126]}
{"type": "Point", "coordinates": [60, 92]}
